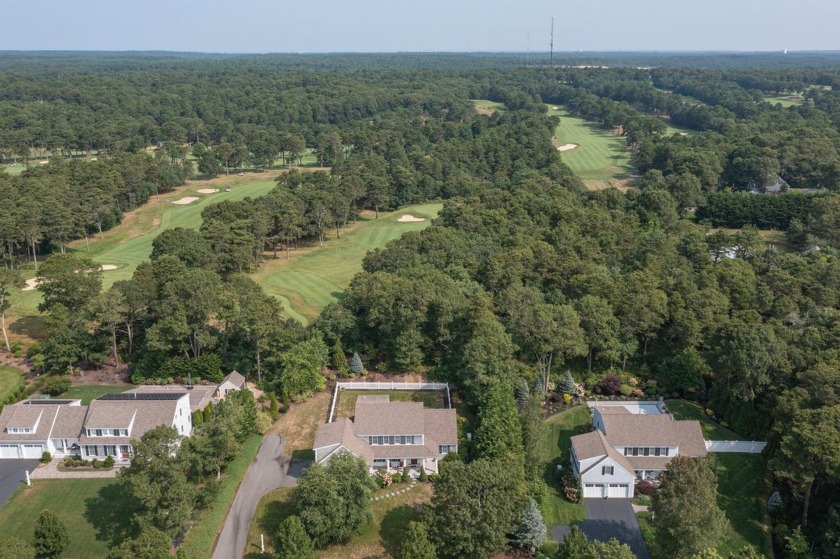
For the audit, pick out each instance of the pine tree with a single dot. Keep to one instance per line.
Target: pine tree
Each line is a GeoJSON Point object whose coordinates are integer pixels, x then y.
{"type": "Point", "coordinates": [774, 502]}
{"type": "Point", "coordinates": [406, 474]}
{"type": "Point", "coordinates": [51, 536]}
{"type": "Point", "coordinates": [530, 534]}
{"type": "Point", "coordinates": [356, 365]}
{"type": "Point", "coordinates": [208, 413]}
{"type": "Point", "coordinates": [274, 408]}
{"type": "Point", "coordinates": [197, 418]}
{"type": "Point", "coordinates": [416, 543]}
{"type": "Point", "coordinates": [337, 358]}
{"type": "Point", "coordinates": [567, 385]}
{"type": "Point", "coordinates": [522, 391]}
{"type": "Point", "coordinates": [293, 542]}
{"type": "Point", "coordinates": [499, 434]}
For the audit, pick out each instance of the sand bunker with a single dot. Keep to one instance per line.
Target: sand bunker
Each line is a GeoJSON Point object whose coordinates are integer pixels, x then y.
{"type": "Point", "coordinates": [207, 190]}
{"type": "Point", "coordinates": [407, 218]}
{"type": "Point", "coordinates": [185, 201]}
{"type": "Point", "coordinates": [107, 267]}
{"type": "Point", "coordinates": [566, 147]}
{"type": "Point", "coordinates": [31, 284]}
{"type": "Point", "coordinates": [555, 108]}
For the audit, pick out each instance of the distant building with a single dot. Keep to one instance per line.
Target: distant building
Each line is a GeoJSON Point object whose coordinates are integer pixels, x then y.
{"type": "Point", "coordinates": [774, 184]}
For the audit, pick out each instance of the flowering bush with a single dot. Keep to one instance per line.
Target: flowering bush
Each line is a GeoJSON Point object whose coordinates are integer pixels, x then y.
{"type": "Point", "coordinates": [567, 399]}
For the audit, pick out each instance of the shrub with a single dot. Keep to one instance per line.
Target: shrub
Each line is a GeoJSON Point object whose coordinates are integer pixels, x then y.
{"type": "Point", "coordinates": [284, 408]}
{"type": "Point", "coordinates": [611, 384]}
{"type": "Point", "coordinates": [724, 424]}
{"type": "Point", "coordinates": [383, 478]}
{"type": "Point", "coordinates": [396, 477]}
{"type": "Point", "coordinates": [108, 462]}
{"type": "Point", "coordinates": [273, 409]}
{"type": "Point", "coordinates": [710, 412]}
{"type": "Point", "coordinates": [645, 487]}
{"type": "Point", "coordinates": [56, 385]}
{"type": "Point", "coordinates": [626, 390]}
{"type": "Point", "coordinates": [406, 475]}
{"type": "Point", "coordinates": [96, 464]}
{"type": "Point", "coordinates": [572, 494]}
{"type": "Point", "coordinates": [382, 367]}
{"type": "Point", "coordinates": [423, 475]}
{"type": "Point", "coordinates": [567, 399]}
{"type": "Point", "coordinates": [46, 458]}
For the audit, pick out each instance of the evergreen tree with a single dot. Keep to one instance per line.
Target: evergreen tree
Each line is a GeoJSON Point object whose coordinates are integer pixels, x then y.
{"type": "Point", "coordinates": [51, 536]}
{"type": "Point", "coordinates": [337, 358]}
{"type": "Point", "coordinates": [208, 413]}
{"type": "Point", "coordinates": [567, 385]}
{"type": "Point", "coordinates": [530, 534]}
{"type": "Point", "coordinates": [416, 543]}
{"type": "Point", "coordinates": [499, 433]}
{"type": "Point", "coordinates": [274, 408]}
{"type": "Point", "coordinates": [356, 365]}
{"type": "Point", "coordinates": [774, 502]}
{"type": "Point", "coordinates": [293, 541]}
{"type": "Point", "coordinates": [688, 519]}
{"type": "Point", "coordinates": [197, 418]}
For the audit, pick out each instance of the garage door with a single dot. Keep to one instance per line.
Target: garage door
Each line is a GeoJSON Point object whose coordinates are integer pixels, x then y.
{"type": "Point", "coordinates": [32, 450]}
{"type": "Point", "coordinates": [619, 490]}
{"type": "Point", "coordinates": [9, 451]}
{"type": "Point", "coordinates": [593, 490]}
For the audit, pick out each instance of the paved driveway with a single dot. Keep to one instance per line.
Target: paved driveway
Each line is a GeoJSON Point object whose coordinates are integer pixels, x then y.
{"type": "Point", "coordinates": [267, 472]}
{"type": "Point", "coordinates": [614, 518]}
{"type": "Point", "coordinates": [12, 475]}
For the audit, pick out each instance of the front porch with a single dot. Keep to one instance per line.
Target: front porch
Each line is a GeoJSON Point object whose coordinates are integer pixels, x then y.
{"type": "Point", "coordinates": [120, 452]}
{"type": "Point", "coordinates": [394, 465]}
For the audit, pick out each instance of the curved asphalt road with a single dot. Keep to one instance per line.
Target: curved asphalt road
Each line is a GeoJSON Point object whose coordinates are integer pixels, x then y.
{"type": "Point", "coordinates": [267, 472]}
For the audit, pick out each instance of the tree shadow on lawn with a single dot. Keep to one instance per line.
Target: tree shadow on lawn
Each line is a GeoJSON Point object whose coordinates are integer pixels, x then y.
{"type": "Point", "coordinates": [30, 326]}
{"type": "Point", "coordinates": [111, 513]}
{"type": "Point", "coordinates": [272, 517]}
{"type": "Point", "coordinates": [394, 526]}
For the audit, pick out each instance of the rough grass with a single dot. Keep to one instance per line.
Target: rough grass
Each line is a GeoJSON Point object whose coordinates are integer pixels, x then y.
{"type": "Point", "coordinates": [11, 379]}
{"type": "Point", "coordinates": [381, 538]}
{"type": "Point", "coordinates": [298, 425]}
{"type": "Point", "coordinates": [86, 393]}
{"type": "Point", "coordinates": [600, 155]}
{"type": "Point", "coordinates": [743, 486]}
{"type": "Point", "coordinates": [346, 405]}
{"type": "Point", "coordinates": [682, 409]}
{"type": "Point", "coordinates": [556, 442]}
{"type": "Point", "coordinates": [95, 511]}
{"type": "Point", "coordinates": [201, 538]}
{"type": "Point", "coordinates": [316, 276]}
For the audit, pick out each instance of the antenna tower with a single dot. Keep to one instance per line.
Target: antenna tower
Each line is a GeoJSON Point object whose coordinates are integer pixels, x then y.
{"type": "Point", "coordinates": [551, 55]}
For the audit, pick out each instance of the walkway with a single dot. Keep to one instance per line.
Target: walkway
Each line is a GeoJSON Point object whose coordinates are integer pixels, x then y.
{"type": "Point", "coordinates": [267, 472]}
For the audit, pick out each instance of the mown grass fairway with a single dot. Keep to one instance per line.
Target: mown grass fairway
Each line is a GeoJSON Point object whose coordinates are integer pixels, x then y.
{"type": "Point", "coordinates": [599, 157]}
{"type": "Point", "coordinates": [487, 107]}
{"type": "Point", "coordinates": [784, 100]}
{"type": "Point", "coordinates": [11, 379]}
{"type": "Point", "coordinates": [559, 429]}
{"type": "Point", "coordinates": [95, 511]}
{"type": "Point", "coordinates": [315, 277]}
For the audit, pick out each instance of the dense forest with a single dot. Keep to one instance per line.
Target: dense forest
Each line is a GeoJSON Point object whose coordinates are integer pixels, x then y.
{"type": "Point", "coordinates": [524, 275]}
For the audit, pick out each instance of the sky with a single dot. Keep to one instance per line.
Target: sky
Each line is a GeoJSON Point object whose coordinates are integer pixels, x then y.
{"type": "Point", "coordinates": [259, 26]}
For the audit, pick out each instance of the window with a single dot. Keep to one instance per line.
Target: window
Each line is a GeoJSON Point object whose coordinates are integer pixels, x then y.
{"type": "Point", "coordinates": [647, 451]}
{"type": "Point", "coordinates": [19, 430]}
{"type": "Point", "coordinates": [657, 451]}
{"type": "Point", "coordinates": [607, 470]}
{"type": "Point", "coordinates": [98, 432]}
{"type": "Point", "coordinates": [446, 448]}
{"type": "Point", "coordinates": [665, 451]}
{"type": "Point", "coordinates": [91, 450]}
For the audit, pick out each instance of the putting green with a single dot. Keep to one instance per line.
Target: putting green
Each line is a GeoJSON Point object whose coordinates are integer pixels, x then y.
{"type": "Point", "coordinates": [600, 156]}
{"type": "Point", "coordinates": [316, 276]}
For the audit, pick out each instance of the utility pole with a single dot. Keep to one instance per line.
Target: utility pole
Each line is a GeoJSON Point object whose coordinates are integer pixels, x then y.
{"type": "Point", "coordinates": [551, 51]}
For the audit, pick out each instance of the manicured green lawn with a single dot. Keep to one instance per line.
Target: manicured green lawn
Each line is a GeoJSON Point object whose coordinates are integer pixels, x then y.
{"type": "Point", "coordinates": [599, 155]}
{"type": "Point", "coordinates": [390, 518]}
{"type": "Point", "coordinates": [485, 106]}
{"type": "Point", "coordinates": [743, 487]}
{"type": "Point", "coordinates": [202, 536]}
{"type": "Point", "coordinates": [90, 392]}
{"type": "Point", "coordinates": [783, 101]}
{"type": "Point", "coordinates": [346, 405]}
{"type": "Point", "coordinates": [558, 431]}
{"type": "Point", "coordinates": [310, 281]}
{"type": "Point", "coordinates": [95, 512]}
{"type": "Point", "coordinates": [11, 379]}
{"type": "Point", "coordinates": [682, 409]}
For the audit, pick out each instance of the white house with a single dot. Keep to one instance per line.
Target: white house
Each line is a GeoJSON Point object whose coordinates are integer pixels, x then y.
{"type": "Point", "coordinates": [233, 381]}
{"type": "Point", "coordinates": [32, 427]}
{"type": "Point", "coordinates": [630, 442]}
{"type": "Point", "coordinates": [391, 435]}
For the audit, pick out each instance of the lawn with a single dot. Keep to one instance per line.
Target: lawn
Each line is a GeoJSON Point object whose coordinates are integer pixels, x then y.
{"type": "Point", "coordinates": [600, 156]}
{"type": "Point", "coordinates": [682, 409]}
{"type": "Point", "coordinates": [95, 512]}
{"type": "Point", "coordinates": [89, 392]}
{"type": "Point", "coordinates": [784, 100]}
{"type": "Point", "coordinates": [315, 277]}
{"type": "Point", "coordinates": [11, 379]}
{"type": "Point", "coordinates": [380, 538]}
{"type": "Point", "coordinates": [558, 432]}
{"type": "Point", "coordinates": [743, 487]}
{"type": "Point", "coordinates": [346, 405]}
{"type": "Point", "coordinates": [202, 536]}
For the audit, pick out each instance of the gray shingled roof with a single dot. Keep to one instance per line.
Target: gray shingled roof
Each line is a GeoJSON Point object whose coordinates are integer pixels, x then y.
{"type": "Point", "coordinates": [25, 416]}
{"type": "Point", "coordinates": [69, 423]}
{"type": "Point", "coordinates": [148, 414]}
{"type": "Point", "coordinates": [655, 430]}
{"type": "Point", "coordinates": [236, 379]}
{"type": "Point", "coordinates": [391, 418]}
{"type": "Point", "coordinates": [200, 394]}
{"type": "Point", "coordinates": [441, 426]}
{"type": "Point", "coordinates": [594, 445]}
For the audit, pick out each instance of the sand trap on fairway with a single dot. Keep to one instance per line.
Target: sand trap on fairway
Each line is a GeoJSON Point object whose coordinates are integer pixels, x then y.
{"type": "Point", "coordinates": [107, 267]}
{"type": "Point", "coordinates": [555, 108]}
{"type": "Point", "coordinates": [407, 218]}
{"type": "Point", "coordinates": [185, 201]}
{"type": "Point", "coordinates": [566, 147]}
{"type": "Point", "coordinates": [31, 284]}
{"type": "Point", "coordinates": [207, 190]}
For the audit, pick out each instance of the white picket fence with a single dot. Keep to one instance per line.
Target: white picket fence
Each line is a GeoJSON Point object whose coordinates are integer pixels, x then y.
{"type": "Point", "coordinates": [745, 447]}
{"type": "Point", "coordinates": [388, 386]}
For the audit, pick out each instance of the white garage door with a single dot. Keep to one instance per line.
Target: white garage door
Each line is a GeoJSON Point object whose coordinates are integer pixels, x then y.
{"type": "Point", "coordinates": [619, 490]}
{"type": "Point", "coordinates": [32, 450]}
{"type": "Point", "coordinates": [9, 451]}
{"type": "Point", "coordinates": [593, 490]}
